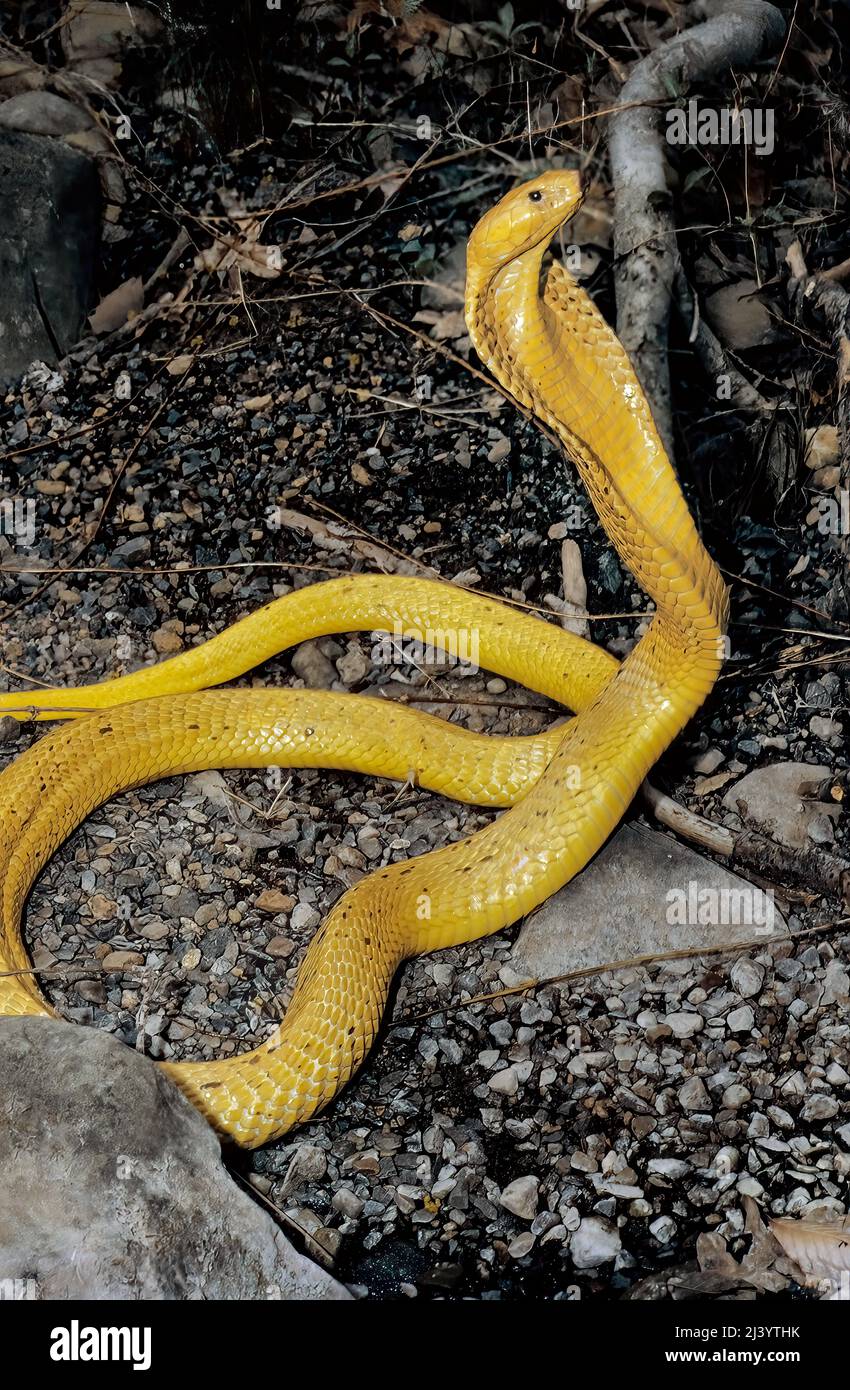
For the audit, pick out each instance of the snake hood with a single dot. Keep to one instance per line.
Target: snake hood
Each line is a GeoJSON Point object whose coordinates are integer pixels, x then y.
{"type": "Point", "coordinates": [528, 216]}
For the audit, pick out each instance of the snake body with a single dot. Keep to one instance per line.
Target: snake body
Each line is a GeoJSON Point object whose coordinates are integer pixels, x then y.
{"type": "Point", "coordinates": [566, 789]}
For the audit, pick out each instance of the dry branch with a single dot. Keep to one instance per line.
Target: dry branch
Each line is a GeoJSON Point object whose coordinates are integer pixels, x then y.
{"type": "Point", "coordinates": [644, 227]}
{"type": "Point", "coordinates": [821, 296]}
{"type": "Point", "coordinates": [711, 352]}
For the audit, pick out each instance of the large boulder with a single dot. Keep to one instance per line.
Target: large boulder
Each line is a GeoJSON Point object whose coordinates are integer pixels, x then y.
{"type": "Point", "coordinates": [49, 240]}
{"type": "Point", "coordinates": [113, 1187]}
{"type": "Point", "coordinates": [43, 113]}
{"type": "Point", "coordinates": [644, 894]}
{"type": "Point", "coordinates": [778, 800]}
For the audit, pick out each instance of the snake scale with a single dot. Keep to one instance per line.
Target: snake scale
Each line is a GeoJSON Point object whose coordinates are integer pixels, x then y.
{"type": "Point", "coordinates": [566, 790]}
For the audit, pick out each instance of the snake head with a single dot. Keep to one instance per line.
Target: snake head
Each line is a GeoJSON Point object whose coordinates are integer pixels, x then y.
{"type": "Point", "coordinates": [526, 217]}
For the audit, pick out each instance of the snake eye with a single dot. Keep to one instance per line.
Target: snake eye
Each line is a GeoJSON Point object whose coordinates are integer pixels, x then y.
{"type": "Point", "coordinates": [535, 195]}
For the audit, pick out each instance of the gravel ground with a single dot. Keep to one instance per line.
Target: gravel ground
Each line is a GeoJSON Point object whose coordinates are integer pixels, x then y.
{"type": "Point", "coordinates": [499, 1148]}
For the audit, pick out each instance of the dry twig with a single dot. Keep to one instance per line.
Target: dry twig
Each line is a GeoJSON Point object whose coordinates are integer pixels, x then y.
{"type": "Point", "coordinates": [644, 228]}
{"type": "Point", "coordinates": [822, 295]}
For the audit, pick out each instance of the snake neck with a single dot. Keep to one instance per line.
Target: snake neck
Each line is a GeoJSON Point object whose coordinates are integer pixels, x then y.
{"type": "Point", "coordinates": [558, 357]}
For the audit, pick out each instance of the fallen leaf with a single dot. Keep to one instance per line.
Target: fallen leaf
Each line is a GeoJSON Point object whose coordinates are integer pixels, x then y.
{"type": "Point", "coordinates": [738, 318]}
{"type": "Point", "coordinates": [569, 98]}
{"type": "Point", "coordinates": [178, 365]}
{"type": "Point", "coordinates": [822, 447]}
{"type": "Point", "coordinates": [241, 249]}
{"type": "Point", "coordinates": [822, 1251]}
{"type": "Point", "coordinates": [413, 26]}
{"type": "Point", "coordinates": [444, 288]}
{"type": "Point", "coordinates": [390, 186]}
{"type": "Point", "coordinates": [764, 1266]}
{"type": "Point", "coordinates": [116, 308]}
{"type": "Point", "coordinates": [334, 537]}
{"type": "Point", "coordinates": [449, 324]}
{"type": "Point", "coordinates": [20, 74]}
{"type": "Point", "coordinates": [94, 141]}
{"type": "Point", "coordinates": [704, 785]}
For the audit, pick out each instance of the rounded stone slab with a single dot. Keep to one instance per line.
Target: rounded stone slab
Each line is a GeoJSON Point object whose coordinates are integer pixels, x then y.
{"type": "Point", "coordinates": [113, 1185]}
{"type": "Point", "coordinates": [49, 239]}
{"type": "Point", "coordinates": [779, 800]}
{"type": "Point", "coordinates": [643, 894]}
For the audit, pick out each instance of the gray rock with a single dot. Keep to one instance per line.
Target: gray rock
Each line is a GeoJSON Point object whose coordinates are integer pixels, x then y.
{"type": "Point", "coordinates": [643, 894]}
{"type": "Point", "coordinates": [747, 977]}
{"type": "Point", "coordinates": [693, 1095]}
{"type": "Point", "coordinates": [825, 728]}
{"type": "Point", "coordinates": [820, 1107]}
{"type": "Point", "coordinates": [836, 983]}
{"type": "Point", "coordinates": [596, 1242]}
{"type": "Point", "coordinates": [354, 666]}
{"type": "Point", "coordinates": [821, 830]}
{"type": "Point", "coordinates": [113, 1185]}
{"type": "Point", "coordinates": [773, 798]}
{"type": "Point", "coordinates": [521, 1246]}
{"type": "Point", "coordinates": [520, 1197]}
{"type": "Point", "coordinates": [663, 1228]}
{"type": "Point", "coordinates": [309, 1164]}
{"type": "Point", "coordinates": [672, 1168]}
{"type": "Point", "coordinates": [314, 668]}
{"type": "Point", "coordinates": [708, 762]}
{"type": "Point", "coordinates": [741, 1020]}
{"type": "Point", "coordinates": [505, 1082]}
{"type": "Point", "coordinates": [735, 1096]}
{"type": "Point", "coordinates": [347, 1203]}
{"type": "Point", "coordinates": [183, 904]}
{"type": "Point", "coordinates": [684, 1024]}
{"type": "Point", "coordinates": [43, 113]}
{"type": "Point", "coordinates": [304, 917]}
{"type": "Point", "coordinates": [49, 234]}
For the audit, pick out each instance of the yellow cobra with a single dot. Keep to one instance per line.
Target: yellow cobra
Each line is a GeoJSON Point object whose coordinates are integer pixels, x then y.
{"type": "Point", "coordinates": [567, 788]}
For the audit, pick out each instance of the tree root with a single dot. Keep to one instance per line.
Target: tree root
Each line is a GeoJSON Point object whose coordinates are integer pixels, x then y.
{"type": "Point", "coordinates": [822, 295]}
{"type": "Point", "coordinates": [812, 869]}
{"type": "Point", "coordinates": [644, 227]}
